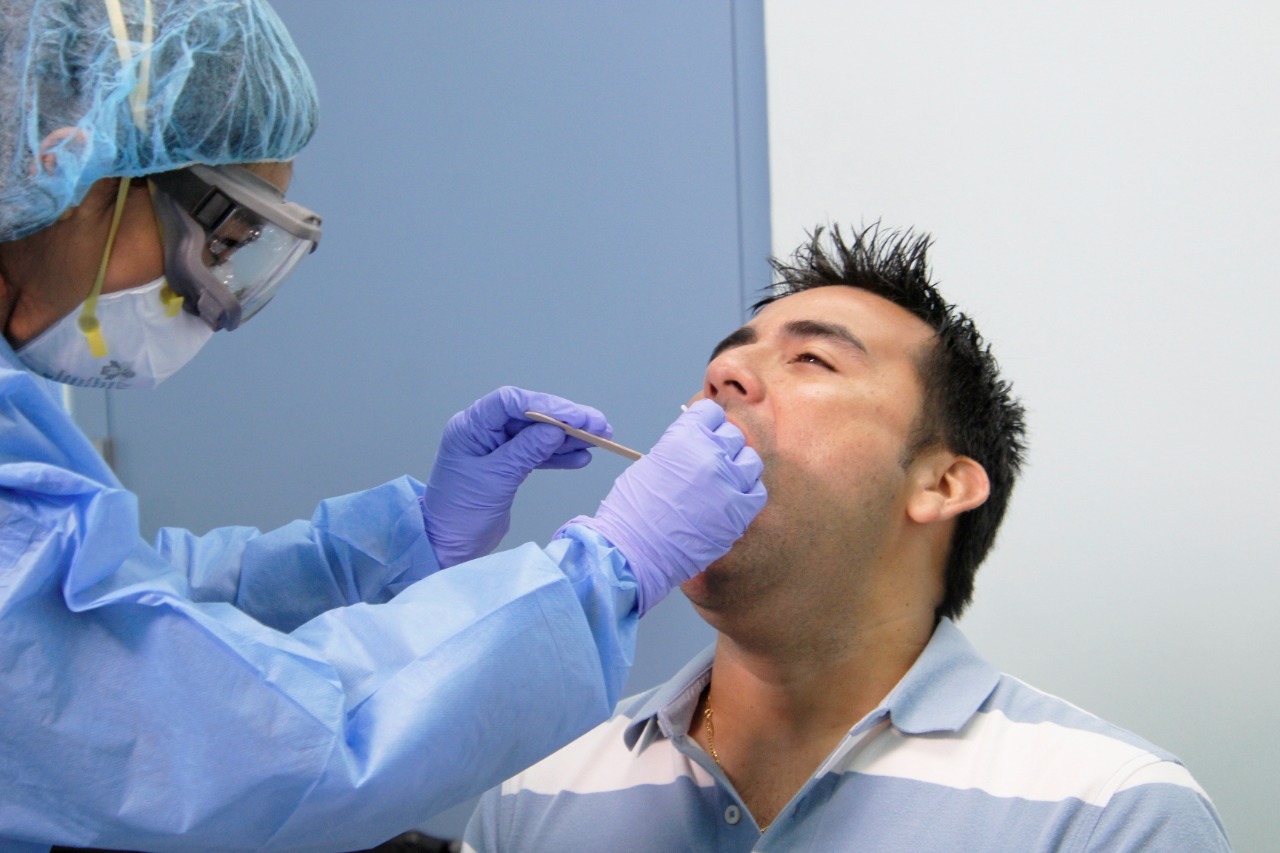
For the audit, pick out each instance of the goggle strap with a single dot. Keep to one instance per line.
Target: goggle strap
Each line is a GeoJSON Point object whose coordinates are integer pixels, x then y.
{"type": "Point", "coordinates": [88, 314]}
{"type": "Point", "coordinates": [172, 300]}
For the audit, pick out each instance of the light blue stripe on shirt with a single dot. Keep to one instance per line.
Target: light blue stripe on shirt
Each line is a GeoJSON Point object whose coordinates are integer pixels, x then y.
{"type": "Point", "coordinates": [957, 757]}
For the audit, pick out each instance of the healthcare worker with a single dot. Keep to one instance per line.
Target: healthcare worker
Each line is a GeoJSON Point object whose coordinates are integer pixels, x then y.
{"type": "Point", "coordinates": [332, 683]}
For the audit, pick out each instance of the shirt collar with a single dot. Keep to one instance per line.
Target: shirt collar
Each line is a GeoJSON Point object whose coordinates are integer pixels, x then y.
{"type": "Point", "coordinates": [671, 706]}
{"type": "Point", "coordinates": [944, 688]}
{"type": "Point", "coordinates": [941, 691]}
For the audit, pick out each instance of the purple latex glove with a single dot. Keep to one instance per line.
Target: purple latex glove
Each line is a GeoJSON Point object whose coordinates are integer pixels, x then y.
{"type": "Point", "coordinates": [683, 505]}
{"type": "Point", "coordinates": [486, 452]}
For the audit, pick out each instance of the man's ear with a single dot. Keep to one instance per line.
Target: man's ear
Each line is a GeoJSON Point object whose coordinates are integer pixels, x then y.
{"type": "Point", "coordinates": [50, 144]}
{"type": "Point", "coordinates": [945, 486]}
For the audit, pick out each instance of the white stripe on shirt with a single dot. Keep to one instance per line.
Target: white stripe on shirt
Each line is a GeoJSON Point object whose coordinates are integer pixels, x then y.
{"type": "Point", "coordinates": [995, 754]}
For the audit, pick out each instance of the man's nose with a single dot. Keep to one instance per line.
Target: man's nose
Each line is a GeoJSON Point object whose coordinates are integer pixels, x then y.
{"type": "Point", "coordinates": [732, 376]}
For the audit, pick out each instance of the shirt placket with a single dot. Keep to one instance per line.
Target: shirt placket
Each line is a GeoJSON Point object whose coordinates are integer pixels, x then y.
{"type": "Point", "coordinates": [787, 832]}
{"type": "Point", "coordinates": [736, 831]}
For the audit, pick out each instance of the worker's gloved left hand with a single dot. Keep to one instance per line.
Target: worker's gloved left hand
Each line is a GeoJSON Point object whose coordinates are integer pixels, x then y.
{"type": "Point", "coordinates": [485, 454]}
{"type": "Point", "coordinates": [684, 504]}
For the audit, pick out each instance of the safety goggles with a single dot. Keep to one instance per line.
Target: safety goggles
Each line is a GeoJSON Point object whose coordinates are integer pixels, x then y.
{"type": "Point", "coordinates": [230, 238]}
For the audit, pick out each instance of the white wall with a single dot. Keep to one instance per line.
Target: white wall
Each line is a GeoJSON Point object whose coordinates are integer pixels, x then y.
{"type": "Point", "coordinates": [1101, 178]}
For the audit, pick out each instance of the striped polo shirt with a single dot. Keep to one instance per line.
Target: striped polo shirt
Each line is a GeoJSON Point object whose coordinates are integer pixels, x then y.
{"type": "Point", "coordinates": [956, 758]}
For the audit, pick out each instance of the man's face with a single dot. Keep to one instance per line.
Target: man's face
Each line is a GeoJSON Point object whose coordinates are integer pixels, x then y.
{"type": "Point", "coordinates": [824, 385]}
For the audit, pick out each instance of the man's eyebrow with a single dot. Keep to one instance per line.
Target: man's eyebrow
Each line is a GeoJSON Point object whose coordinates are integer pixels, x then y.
{"type": "Point", "coordinates": [745, 335]}
{"type": "Point", "coordinates": [833, 332]}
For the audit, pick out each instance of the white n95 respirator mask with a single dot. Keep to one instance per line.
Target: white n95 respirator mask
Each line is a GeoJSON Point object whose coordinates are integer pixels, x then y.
{"type": "Point", "coordinates": [229, 239]}
{"type": "Point", "coordinates": [149, 337]}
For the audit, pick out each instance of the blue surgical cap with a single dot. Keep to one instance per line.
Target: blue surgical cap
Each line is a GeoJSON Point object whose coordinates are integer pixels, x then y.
{"type": "Point", "coordinates": [225, 84]}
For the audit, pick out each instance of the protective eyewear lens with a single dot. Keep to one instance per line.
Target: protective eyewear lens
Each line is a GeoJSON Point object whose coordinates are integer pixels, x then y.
{"type": "Point", "coordinates": [230, 239]}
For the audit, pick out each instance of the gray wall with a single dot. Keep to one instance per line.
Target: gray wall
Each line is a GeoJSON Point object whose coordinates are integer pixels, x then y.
{"type": "Point", "coordinates": [570, 196]}
{"type": "Point", "coordinates": [1101, 178]}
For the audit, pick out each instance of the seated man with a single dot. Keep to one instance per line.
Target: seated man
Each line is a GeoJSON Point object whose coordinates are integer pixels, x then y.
{"type": "Point", "coordinates": [841, 708]}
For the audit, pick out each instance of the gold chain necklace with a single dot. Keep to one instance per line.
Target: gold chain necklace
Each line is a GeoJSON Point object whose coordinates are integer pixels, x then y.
{"type": "Point", "coordinates": [711, 733]}
{"type": "Point", "coordinates": [711, 742]}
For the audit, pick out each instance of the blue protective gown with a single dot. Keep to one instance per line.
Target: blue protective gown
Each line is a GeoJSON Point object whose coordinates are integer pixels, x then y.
{"type": "Point", "coordinates": [318, 687]}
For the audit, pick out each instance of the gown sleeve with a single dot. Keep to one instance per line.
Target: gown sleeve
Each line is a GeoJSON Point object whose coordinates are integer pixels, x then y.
{"type": "Point", "coordinates": [177, 697]}
{"type": "Point", "coordinates": [361, 548]}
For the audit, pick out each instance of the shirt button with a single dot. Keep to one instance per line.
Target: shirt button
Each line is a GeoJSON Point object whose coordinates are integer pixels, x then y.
{"type": "Point", "coordinates": [732, 815]}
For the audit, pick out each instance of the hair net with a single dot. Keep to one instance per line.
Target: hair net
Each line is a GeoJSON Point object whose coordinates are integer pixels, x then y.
{"type": "Point", "coordinates": [223, 83]}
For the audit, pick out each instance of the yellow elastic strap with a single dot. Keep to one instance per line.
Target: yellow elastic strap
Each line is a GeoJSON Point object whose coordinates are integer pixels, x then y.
{"type": "Point", "coordinates": [88, 319]}
{"type": "Point", "coordinates": [119, 29]}
{"type": "Point", "coordinates": [138, 100]}
{"type": "Point", "coordinates": [144, 69]}
{"type": "Point", "coordinates": [172, 301]}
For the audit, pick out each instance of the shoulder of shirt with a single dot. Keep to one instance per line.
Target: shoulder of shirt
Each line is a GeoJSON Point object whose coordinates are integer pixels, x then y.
{"type": "Point", "coordinates": [1021, 702]}
{"type": "Point", "coordinates": [599, 761]}
{"type": "Point", "coordinates": [1033, 744]}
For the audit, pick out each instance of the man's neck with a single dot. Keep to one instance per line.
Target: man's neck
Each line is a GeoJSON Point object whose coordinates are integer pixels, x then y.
{"type": "Point", "coordinates": [818, 683]}
{"type": "Point", "coordinates": [778, 712]}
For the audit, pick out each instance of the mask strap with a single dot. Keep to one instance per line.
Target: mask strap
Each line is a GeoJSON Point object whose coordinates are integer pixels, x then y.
{"type": "Point", "coordinates": [88, 321]}
{"type": "Point", "coordinates": [138, 100]}
{"type": "Point", "coordinates": [119, 29]}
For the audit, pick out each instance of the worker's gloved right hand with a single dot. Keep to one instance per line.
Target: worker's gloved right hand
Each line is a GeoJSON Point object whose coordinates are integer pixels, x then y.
{"type": "Point", "coordinates": [486, 452]}
{"type": "Point", "coordinates": [684, 504]}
